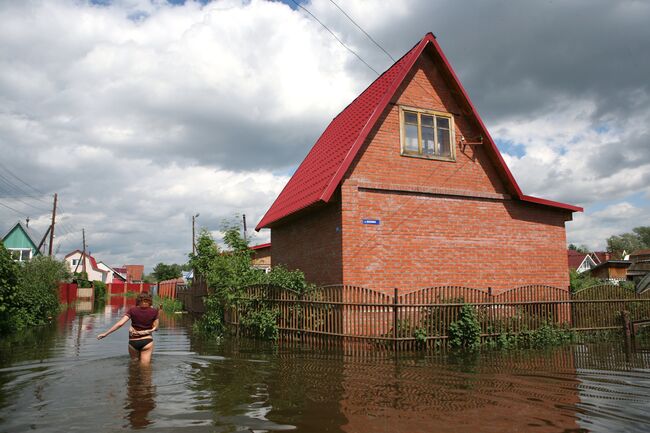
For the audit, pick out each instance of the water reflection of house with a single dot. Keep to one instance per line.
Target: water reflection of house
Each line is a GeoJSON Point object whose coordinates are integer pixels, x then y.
{"type": "Point", "coordinates": [525, 392]}
{"type": "Point", "coordinates": [406, 184]}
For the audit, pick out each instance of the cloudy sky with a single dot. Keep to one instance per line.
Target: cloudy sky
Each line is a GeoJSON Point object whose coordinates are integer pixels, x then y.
{"type": "Point", "coordinates": [142, 113]}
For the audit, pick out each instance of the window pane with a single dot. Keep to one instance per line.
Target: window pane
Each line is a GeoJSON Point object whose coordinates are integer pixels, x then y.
{"type": "Point", "coordinates": [410, 117]}
{"type": "Point", "coordinates": [443, 122]}
{"type": "Point", "coordinates": [428, 145]}
{"type": "Point", "coordinates": [25, 255]}
{"type": "Point", "coordinates": [411, 138]}
{"type": "Point", "coordinates": [444, 142]}
{"type": "Point", "coordinates": [427, 120]}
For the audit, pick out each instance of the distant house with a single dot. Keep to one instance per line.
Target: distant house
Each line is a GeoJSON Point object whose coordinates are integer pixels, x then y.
{"type": "Point", "coordinates": [22, 242]}
{"type": "Point", "coordinates": [78, 262]}
{"type": "Point", "coordinates": [261, 256]}
{"type": "Point", "coordinates": [406, 189]}
{"type": "Point", "coordinates": [121, 271]}
{"type": "Point", "coordinates": [639, 265]}
{"type": "Point", "coordinates": [113, 276]}
{"type": "Point", "coordinates": [134, 273]}
{"type": "Point", "coordinates": [613, 271]}
{"type": "Point", "coordinates": [582, 262]}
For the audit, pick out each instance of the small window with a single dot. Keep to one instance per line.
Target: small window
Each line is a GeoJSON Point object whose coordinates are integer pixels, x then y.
{"type": "Point", "coordinates": [75, 262]}
{"type": "Point", "coordinates": [21, 254]}
{"type": "Point", "coordinates": [427, 134]}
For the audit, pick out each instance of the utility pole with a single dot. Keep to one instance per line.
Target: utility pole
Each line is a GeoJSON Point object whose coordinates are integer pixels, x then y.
{"type": "Point", "coordinates": [83, 254]}
{"type": "Point", "coordinates": [244, 219]}
{"type": "Point", "coordinates": [52, 225]}
{"type": "Point", "coordinates": [194, 217]}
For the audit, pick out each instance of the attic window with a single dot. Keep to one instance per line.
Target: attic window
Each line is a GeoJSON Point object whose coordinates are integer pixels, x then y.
{"type": "Point", "coordinates": [21, 254]}
{"type": "Point", "coordinates": [427, 134]}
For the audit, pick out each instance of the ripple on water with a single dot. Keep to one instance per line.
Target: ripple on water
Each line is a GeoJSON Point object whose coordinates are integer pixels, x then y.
{"type": "Point", "coordinates": [69, 381]}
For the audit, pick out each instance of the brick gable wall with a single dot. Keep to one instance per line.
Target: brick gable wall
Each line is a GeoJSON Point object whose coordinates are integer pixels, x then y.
{"type": "Point", "coordinates": [442, 223]}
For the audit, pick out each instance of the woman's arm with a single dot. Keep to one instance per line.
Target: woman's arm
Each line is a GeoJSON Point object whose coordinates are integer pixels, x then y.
{"type": "Point", "coordinates": [134, 333]}
{"type": "Point", "coordinates": [155, 325]}
{"type": "Point", "coordinates": [115, 327]}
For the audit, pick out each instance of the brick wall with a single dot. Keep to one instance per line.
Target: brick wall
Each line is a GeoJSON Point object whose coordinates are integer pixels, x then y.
{"type": "Point", "coordinates": [441, 222]}
{"type": "Point", "coordinates": [311, 243]}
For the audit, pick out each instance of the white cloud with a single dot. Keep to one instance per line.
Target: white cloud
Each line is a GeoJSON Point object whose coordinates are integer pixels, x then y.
{"type": "Point", "coordinates": [140, 114]}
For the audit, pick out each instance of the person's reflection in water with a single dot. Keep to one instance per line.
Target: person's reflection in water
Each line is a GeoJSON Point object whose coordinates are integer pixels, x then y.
{"type": "Point", "coordinates": [140, 395]}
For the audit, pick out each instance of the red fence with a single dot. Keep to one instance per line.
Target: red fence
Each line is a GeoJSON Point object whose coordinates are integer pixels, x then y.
{"type": "Point", "coordinates": [67, 293]}
{"type": "Point", "coordinates": [120, 288]}
{"type": "Point", "coordinates": [167, 288]}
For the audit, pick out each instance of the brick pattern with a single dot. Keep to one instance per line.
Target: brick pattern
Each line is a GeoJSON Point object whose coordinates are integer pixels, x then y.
{"type": "Point", "coordinates": [311, 243]}
{"type": "Point", "coordinates": [450, 223]}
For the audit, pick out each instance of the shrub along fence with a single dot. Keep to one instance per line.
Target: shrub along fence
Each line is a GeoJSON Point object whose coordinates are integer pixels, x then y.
{"type": "Point", "coordinates": [423, 317]}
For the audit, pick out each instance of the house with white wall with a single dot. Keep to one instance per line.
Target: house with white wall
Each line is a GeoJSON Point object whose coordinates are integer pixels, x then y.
{"type": "Point", "coordinates": [77, 261]}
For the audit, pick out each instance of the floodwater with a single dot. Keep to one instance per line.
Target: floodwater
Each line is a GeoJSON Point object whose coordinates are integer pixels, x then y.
{"type": "Point", "coordinates": [61, 379]}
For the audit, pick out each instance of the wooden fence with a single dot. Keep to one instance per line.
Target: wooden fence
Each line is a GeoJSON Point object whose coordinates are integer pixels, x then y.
{"type": "Point", "coordinates": [361, 314]}
{"type": "Point", "coordinates": [191, 295]}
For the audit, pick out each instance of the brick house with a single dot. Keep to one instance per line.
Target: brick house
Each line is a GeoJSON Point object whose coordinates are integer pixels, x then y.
{"type": "Point", "coordinates": [406, 189]}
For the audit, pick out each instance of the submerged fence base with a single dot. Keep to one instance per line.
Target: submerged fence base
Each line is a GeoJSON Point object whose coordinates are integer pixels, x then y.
{"type": "Point", "coordinates": [376, 321]}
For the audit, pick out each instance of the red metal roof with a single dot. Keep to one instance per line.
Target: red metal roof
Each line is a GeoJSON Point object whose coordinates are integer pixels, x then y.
{"type": "Point", "coordinates": [260, 246]}
{"type": "Point", "coordinates": [575, 258]}
{"type": "Point", "coordinates": [322, 170]}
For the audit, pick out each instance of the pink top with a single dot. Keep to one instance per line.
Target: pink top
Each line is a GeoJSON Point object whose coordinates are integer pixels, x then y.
{"type": "Point", "coordinates": [142, 317]}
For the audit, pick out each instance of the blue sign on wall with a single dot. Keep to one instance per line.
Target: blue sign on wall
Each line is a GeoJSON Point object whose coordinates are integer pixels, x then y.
{"type": "Point", "coordinates": [372, 222]}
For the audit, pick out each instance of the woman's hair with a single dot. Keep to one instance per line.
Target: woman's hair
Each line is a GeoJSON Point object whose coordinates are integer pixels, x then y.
{"type": "Point", "coordinates": [144, 297]}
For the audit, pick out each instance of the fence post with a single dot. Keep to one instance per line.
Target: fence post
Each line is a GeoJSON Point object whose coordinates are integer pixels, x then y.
{"type": "Point", "coordinates": [395, 302]}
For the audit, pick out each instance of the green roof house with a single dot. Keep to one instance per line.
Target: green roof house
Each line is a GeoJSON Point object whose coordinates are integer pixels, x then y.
{"type": "Point", "coordinates": [21, 242]}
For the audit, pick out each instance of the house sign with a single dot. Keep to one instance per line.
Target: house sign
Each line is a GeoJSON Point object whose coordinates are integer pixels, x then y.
{"type": "Point", "coordinates": [372, 222]}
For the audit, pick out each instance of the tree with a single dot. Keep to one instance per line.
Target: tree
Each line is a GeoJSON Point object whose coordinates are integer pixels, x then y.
{"type": "Point", "coordinates": [8, 283]}
{"type": "Point", "coordinates": [228, 273]}
{"type": "Point", "coordinates": [162, 271]}
{"type": "Point", "coordinates": [581, 249]}
{"type": "Point", "coordinates": [629, 242]}
{"type": "Point", "coordinates": [37, 295]}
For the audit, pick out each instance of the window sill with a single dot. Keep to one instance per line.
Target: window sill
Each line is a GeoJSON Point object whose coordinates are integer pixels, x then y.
{"type": "Point", "coordinates": [432, 157]}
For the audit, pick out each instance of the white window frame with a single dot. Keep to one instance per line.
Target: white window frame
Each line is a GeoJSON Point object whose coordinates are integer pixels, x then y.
{"type": "Point", "coordinates": [20, 254]}
{"type": "Point", "coordinates": [435, 114]}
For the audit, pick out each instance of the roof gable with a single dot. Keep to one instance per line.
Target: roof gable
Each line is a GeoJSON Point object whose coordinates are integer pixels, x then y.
{"type": "Point", "coordinates": [322, 170]}
{"type": "Point", "coordinates": [24, 232]}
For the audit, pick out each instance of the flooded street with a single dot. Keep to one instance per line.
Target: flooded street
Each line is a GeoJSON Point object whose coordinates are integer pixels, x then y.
{"type": "Point", "coordinates": [62, 379]}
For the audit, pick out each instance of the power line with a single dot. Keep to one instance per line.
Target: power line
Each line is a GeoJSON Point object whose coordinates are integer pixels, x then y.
{"type": "Point", "coordinates": [335, 37]}
{"type": "Point", "coordinates": [364, 32]}
{"type": "Point", "coordinates": [20, 180]}
{"type": "Point", "coordinates": [10, 208]}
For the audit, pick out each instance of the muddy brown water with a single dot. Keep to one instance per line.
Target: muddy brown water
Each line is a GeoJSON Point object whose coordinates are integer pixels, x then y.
{"type": "Point", "coordinates": [61, 379]}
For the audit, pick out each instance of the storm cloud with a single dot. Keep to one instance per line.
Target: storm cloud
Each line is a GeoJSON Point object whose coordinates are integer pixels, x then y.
{"type": "Point", "coordinates": [141, 113]}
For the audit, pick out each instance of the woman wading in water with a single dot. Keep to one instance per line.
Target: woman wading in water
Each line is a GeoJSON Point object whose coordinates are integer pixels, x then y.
{"type": "Point", "coordinates": [144, 321]}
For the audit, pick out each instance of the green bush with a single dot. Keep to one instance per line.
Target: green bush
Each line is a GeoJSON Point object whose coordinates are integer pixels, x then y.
{"type": "Point", "coordinates": [29, 292]}
{"type": "Point", "coordinates": [8, 288]}
{"type": "Point", "coordinates": [420, 335]}
{"type": "Point", "coordinates": [228, 273]}
{"type": "Point", "coordinates": [168, 305]}
{"type": "Point", "coordinates": [579, 281]}
{"type": "Point", "coordinates": [465, 333]}
{"type": "Point", "coordinates": [261, 323]}
{"type": "Point", "coordinates": [99, 289]}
